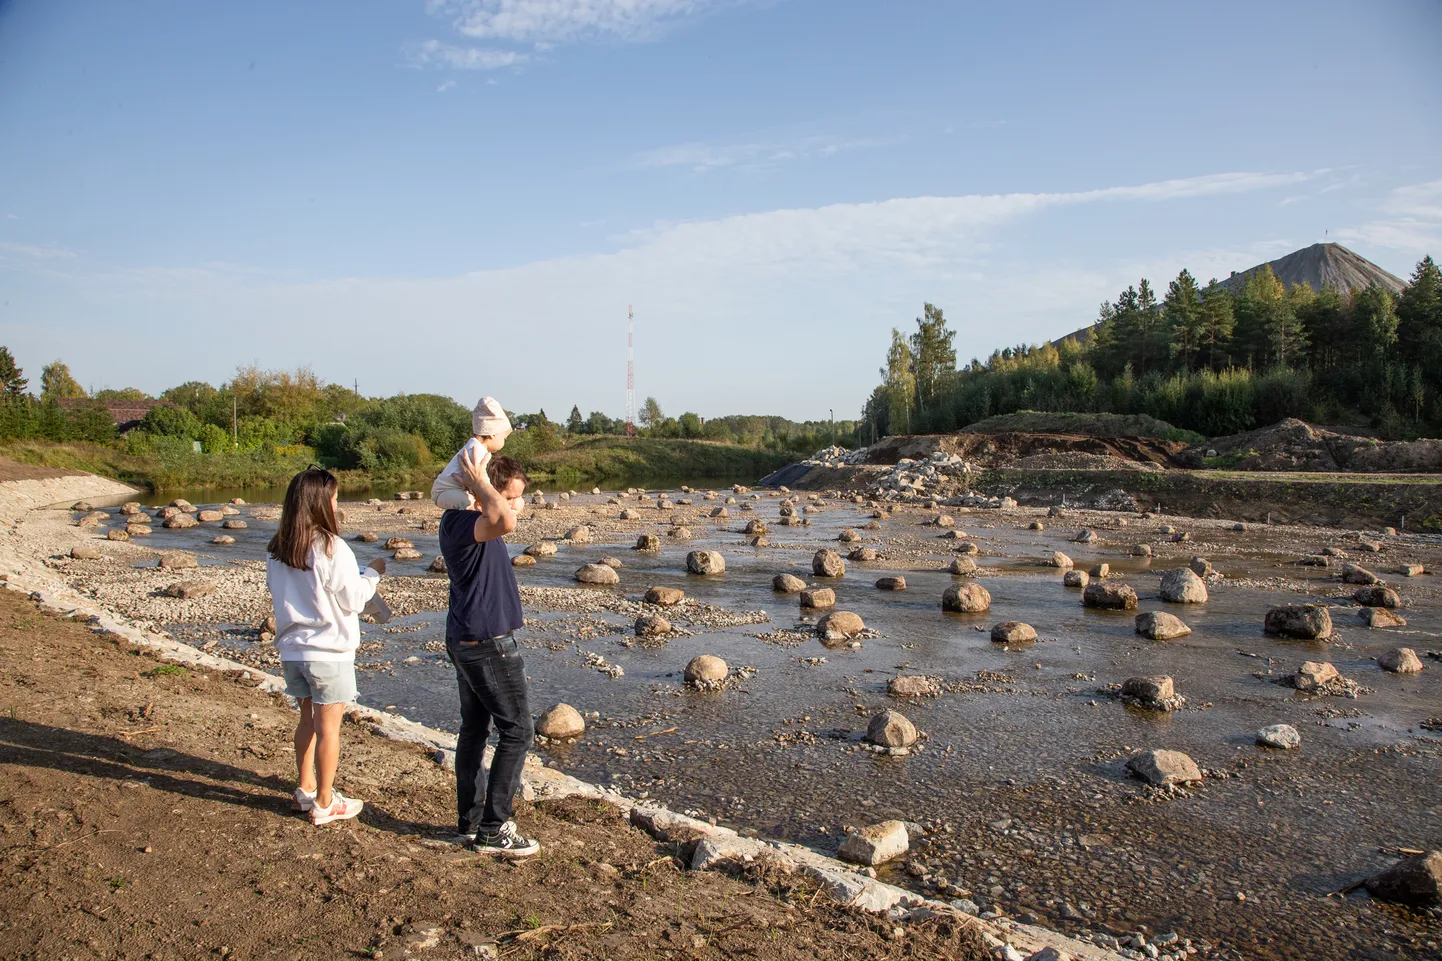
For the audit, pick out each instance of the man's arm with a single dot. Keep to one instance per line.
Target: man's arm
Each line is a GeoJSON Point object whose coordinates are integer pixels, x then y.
{"type": "Point", "coordinates": [497, 518]}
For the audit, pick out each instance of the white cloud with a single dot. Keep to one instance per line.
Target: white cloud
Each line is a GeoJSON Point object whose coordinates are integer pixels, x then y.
{"type": "Point", "coordinates": [434, 53]}
{"type": "Point", "coordinates": [815, 284]}
{"type": "Point", "coordinates": [36, 251]}
{"type": "Point", "coordinates": [448, 85]}
{"type": "Point", "coordinates": [1415, 224]}
{"type": "Point", "coordinates": [565, 21]}
{"type": "Point", "coordinates": [751, 155]}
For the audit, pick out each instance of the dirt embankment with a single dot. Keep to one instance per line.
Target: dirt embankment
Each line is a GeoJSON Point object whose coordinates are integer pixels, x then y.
{"type": "Point", "coordinates": [1003, 449]}
{"type": "Point", "coordinates": [145, 812]}
{"type": "Point", "coordinates": [1295, 445]}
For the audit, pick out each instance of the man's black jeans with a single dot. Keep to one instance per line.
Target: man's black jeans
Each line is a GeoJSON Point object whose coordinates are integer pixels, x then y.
{"type": "Point", "coordinates": [492, 681]}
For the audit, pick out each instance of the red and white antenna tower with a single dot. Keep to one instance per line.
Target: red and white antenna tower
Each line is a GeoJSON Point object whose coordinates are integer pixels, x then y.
{"type": "Point", "coordinates": [630, 373]}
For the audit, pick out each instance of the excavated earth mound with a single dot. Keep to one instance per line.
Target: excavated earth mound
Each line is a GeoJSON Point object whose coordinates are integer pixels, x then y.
{"type": "Point", "coordinates": [1295, 445]}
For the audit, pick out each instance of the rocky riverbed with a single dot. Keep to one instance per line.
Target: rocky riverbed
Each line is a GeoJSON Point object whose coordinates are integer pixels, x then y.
{"type": "Point", "coordinates": [1018, 779]}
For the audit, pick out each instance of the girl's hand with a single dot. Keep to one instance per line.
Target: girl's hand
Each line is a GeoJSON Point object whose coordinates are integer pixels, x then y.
{"type": "Point", "coordinates": [378, 565]}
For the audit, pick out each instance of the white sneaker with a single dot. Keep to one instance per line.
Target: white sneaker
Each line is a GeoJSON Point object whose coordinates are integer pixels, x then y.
{"type": "Point", "coordinates": [304, 800]}
{"type": "Point", "coordinates": [341, 808]}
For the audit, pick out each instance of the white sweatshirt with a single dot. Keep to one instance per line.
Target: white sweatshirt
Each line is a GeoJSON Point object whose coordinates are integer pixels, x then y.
{"type": "Point", "coordinates": [446, 482]}
{"type": "Point", "coordinates": [316, 611]}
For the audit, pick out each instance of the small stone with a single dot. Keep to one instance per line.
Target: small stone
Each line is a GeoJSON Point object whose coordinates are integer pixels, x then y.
{"type": "Point", "coordinates": [895, 583]}
{"type": "Point", "coordinates": [961, 566]}
{"type": "Point", "coordinates": [648, 542]}
{"type": "Point", "coordinates": [222, 540]}
{"type": "Point", "coordinates": [1281, 736]}
{"type": "Point", "coordinates": [1161, 626]}
{"type": "Point", "coordinates": [787, 584]}
{"type": "Point", "coordinates": [968, 598]}
{"type": "Point", "coordinates": [891, 729]}
{"type": "Point", "coordinates": [1307, 622]}
{"type": "Point", "coordinates": [876, 844]}
{"type": "Point", "coordinates": [1183, 586]}
{"type": "Point", "coordinates": [1086, 536]}
{"type": "Point", "coordinates": [665, 596]}
{"type": "Point", "coordinates": [1315, 676]}
{"type": "Point", "coordinates": [943, 520]}
{"type": "Point", "coordinates": [706, 669]}
{"type": "Point", "coordinates": [1110, 596]}
{"type": "Point", "coordinates": [827, 563]}
{"type": "Point", "coordinates": [1013, 632]}
{"type": "Point", "coordinates": [1161, 768]}
{"type": "Point", "coordinates": [597, 574]}
{"type": "Point", "coordinates": [839, 625]}
{"type": "Point", "coordinates": [818, 597]}
{"type": "Point", "coordinates": [1381, 617]}
{"type": "Point", "coordinates": [438, 566]}
{"type": "Point", "coordinates": [407, 554]}
{"type": "Point", "coordinates": [1037, 526]}
{"type": "Point", "coordinates": [652, 625]}
{"type": "Point", "coordinates": [1058, 559]}
{"type": "Point", "coordinates": [189, 590]}
{"type": "Point", "coordinates": [1377, 595]}
{"type": "Point", "coordinates": [523, 560]}
{"type": "Point", "coordinates": [705, 562]}
{"type": "Point", "coordinates": [542, 549]}
{"type": "Point", "coordinates": [1149, 690]}
{"type": "Point", "coordinates": [561, 721]}
{"type": "Point", "coordinates": [913, 685]}
{"type": "Point", "coordinates": [1400, 660]}
{"type": "Point", "coordinates": [1076, 578]}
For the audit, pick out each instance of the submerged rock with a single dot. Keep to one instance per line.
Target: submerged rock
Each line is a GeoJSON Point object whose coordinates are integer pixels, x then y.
{"type": "Point", "coordinates": [968, 598]}
{"type": "Point", "coordinates": [1111, 597]}
{"type": "Point", "coordinates": [1400, 660]}
{"type": "Point", "coordinates": [1161, 626]}
{"type": "Point", "coordinates": [787, 584]}
{"type": "Point", "coordinates": [705, 562]}
{"type": "Point", "coordinates": [706, 669]}
{"type": "Point", "coordinates": [1013, 632]}
{"type": "Point", "coordinates": [598, 574]}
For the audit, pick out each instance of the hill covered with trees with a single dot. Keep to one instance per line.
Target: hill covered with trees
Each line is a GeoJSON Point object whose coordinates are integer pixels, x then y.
{"type": "Point", "coordinates": [1200, 357]}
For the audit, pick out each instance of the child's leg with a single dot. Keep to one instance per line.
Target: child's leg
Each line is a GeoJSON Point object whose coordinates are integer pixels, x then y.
{"type": "Point", "coordinates": [454, 500]}
{"type": "Point", "coordinates": [305, 747]}
{"type": "Point", "coordinates": [328, 719]}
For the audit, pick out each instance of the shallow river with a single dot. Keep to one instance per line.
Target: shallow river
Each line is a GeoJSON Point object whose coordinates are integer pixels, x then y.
{"type": "Point", "coordinates": [1020, 779]}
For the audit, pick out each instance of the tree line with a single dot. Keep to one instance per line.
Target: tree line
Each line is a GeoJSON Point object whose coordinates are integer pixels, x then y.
{"type": "Point", "coordinates": [277, 414]}
{"type": "Point", "coordinates": [1199, 357]}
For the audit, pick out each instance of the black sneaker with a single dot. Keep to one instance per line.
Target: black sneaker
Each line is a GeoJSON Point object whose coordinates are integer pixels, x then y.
{"type": "Point", "coordinates": [507, 842]}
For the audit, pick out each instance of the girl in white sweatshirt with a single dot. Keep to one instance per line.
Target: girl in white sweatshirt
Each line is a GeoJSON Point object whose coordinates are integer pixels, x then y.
{"type": "Point", "coordinates": [317, 591]}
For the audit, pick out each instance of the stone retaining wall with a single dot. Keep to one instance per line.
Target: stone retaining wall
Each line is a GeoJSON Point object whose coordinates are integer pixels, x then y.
{"type": "Point", "coordinates": [714, 845]}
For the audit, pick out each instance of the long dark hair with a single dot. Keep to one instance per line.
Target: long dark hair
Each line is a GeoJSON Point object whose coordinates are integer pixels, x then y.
{"type": "Point", "coordinates": [307, 511]}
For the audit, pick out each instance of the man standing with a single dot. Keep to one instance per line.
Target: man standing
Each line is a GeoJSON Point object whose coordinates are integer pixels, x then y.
{"type": "Point", "coordinates": [485, 613]}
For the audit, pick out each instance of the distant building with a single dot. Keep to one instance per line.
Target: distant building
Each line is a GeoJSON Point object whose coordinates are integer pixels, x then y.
{"type": "Point", "coordinates": [127, 413]}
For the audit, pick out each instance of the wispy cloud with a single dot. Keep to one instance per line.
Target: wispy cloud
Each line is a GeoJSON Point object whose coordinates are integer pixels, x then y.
{"type": "Point", "coordinates": [36, 251]}
{"type": "Point", "coordinates": [434, 53]}
{"type": "Point", "coordinates": [752, 155]}
{"type": "Point", "coordinates": [566, 21]}
{"type": "Point", "coordinates": [1414, 221]}
{"type": "Point", "coordinates": [448, 85]}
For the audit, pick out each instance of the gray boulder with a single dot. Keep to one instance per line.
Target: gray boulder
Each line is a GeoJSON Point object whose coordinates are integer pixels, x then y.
{"type": "Point", "coordinates": [1161, 626]}
{"type": "Point", "coordinates": [1306, 622]}
{"type": "Point", "coordinates": [1163, 768]}
{"type": "Point", "coordinates": [1183, 586]}
{"type": "Point", "coordinates": [705, 562]}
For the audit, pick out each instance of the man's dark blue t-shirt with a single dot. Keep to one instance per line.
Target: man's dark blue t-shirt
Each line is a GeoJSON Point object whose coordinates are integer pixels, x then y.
{"type": "Point", "coordinates": [485, 601]}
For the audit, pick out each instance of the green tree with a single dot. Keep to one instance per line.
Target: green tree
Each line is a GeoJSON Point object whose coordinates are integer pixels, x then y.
{"type": "Point", "coordinates": [599, 423]}
{"type": "Point", "coordinates": [1182, 311]}
{"type": "Point", "coordinates": [57, 382]}
{"type": "Point", "coordinates": [689, 424]}
{"type": "Point", "coordinates": [1217, 322]}
{"type": "Point", "coordinates": [12, 379]}
{"type": "Point", "coordinates": [650, 415]}
{"type": "Point", "coordinates": [1419, 320]}
{"type": "Point", "coordinates": [574, 423]}
{"type": "Point", "coordinates": [122, 395]}
{"type": "Point", "coordinates": [899, 379]}
{"type": "Point", "coordinates": [1374, 322]}
{"type": "Point", "coordinates": [932, 353]}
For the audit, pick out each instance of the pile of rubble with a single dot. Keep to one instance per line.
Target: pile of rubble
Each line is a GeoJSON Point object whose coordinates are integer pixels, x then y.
{"type": "Point", "coordinates": [837, 457]}
{"type": "Point", "coordinates": [939, 474]}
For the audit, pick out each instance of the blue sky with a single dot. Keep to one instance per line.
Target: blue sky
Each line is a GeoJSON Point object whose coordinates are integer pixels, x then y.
{"type": "Point", "coordinates": [463, 196]}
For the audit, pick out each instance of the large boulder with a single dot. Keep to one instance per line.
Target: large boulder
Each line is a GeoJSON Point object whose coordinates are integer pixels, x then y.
{"type": "Point", "coordinates": [863, 554]}
{"type": "Point", "coordinates": [705, 562]}
{"type": "Point", "coordinates": [1183, 586]}
{"type": "Point", "coordinates": [397, 543]}
{"type": "Point", "coordinates": [234, 524]}
{"type": "Point", "coordinates": [1400, 660]}
{"type": "Point", "coordinates": [827, 563]}
{"type": "Point", "coordinates": [1110, 596]}
{"type": "Point", "coordinates": [179, 522]}
{"type": "Point", "coordinates": [1355, 574]}
{"type": "Point", "coordinates": [1416, 881]}
{"type": "Point", "coordinates": [1305, 622]}
{"type": "Point", "coordinates": [665, 596]}
{"type": "Point", "coordinates": [706, 669]}
{"type": "Point", "coordinates": [1163, 768]}
{"type": "Point", "coordinates": [968, 598]}
{"type": "Point", "coordinates": [1058, 559]}
{"type": "Point", "coordinates": [962, 566]}
{"type": "Point", "coordinates": [407, 554]}
{"type": "Point", "coordinates": [891, 729]}
{"type": "Point", "coordinates": [178, 560]}
{"type": "Point", "coordinates": [839, 625]}
{"type": "Point", "coordinates": [818, 597]}
{"type": "Point", "coordinates": [787, 584]}
{"type": "Point", "coordinates": [876, 843]}
{"type": "Point", "coordinates": [1161, 626]}
{"type": "Point", "coordinates": [538, 549]}
{"type": "Point", "coordinates": [561, 721]}
{"type": "Point", "coordinates": [598, 574]}
{"type": "Point", "coordinates": [648, 542]}
{"type": "Point", "coordinates": [523, 560]}
{"type": "Point", "coordinates": [1377, 595]}
{"type": "Point", "coordinates": [893, 583]}
{"type": "Point", "coordinates": [1151, 691]}
{"type": "Point", "coordinates": [1013, 632]}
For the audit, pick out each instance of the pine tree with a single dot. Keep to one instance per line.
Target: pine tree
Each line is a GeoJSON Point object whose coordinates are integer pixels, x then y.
{"type": "Point", "coordinates": [1419, 321]}
{"type": "Point", "coordinates": [574, 423]}
{"type": "Point", "coordinates": [12, 379]}
{"type": "Point", "coordinates": [1182, 310]}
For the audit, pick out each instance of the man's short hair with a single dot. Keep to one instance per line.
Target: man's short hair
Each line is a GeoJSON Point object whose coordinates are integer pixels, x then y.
{"type": "Point", "coordinates": [502, 470]}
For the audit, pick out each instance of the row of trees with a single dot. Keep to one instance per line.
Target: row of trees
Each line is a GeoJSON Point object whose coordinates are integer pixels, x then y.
{"type": "Point", "coordinates": [269, 412]}
{"type": "Point", "coordinates": [1201, 357]}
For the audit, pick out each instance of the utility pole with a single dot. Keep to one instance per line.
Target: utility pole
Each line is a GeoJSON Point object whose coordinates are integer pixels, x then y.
{"type": "Point", "coordinates": [234, 420]}
{"type": "Point", "coordinates": [832, 412]}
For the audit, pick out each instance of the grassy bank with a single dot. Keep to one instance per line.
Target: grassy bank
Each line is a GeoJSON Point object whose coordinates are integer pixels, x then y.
{"type": "Point", "coordinates": [601, 460]}
{"type": "Point", "coordinates": [171, 471]}
{"type": "Point", "coordinates": [649, 460]}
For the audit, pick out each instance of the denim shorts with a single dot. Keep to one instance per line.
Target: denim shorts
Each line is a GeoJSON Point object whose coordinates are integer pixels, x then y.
{"type": "Point", "coordinates": [324, 682]}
